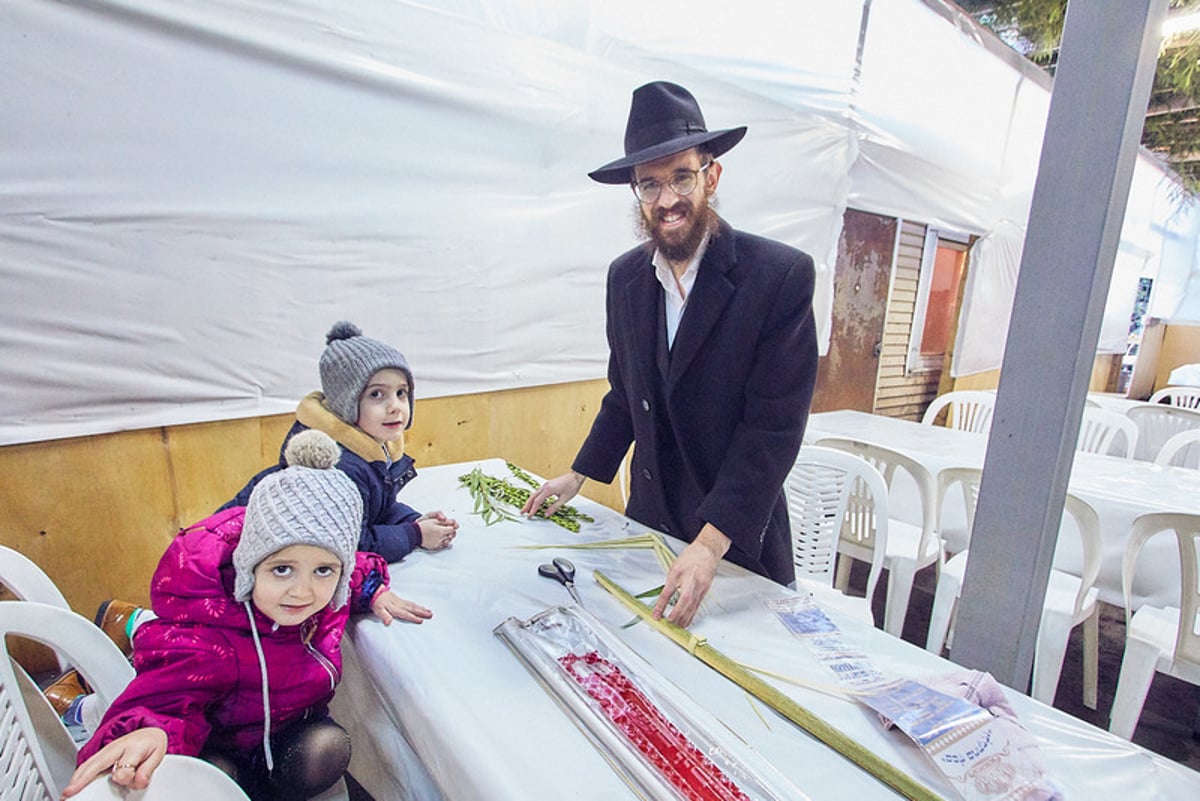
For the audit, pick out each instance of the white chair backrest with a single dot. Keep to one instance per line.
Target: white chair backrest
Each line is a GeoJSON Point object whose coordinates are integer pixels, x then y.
{"type": "Point", "coordinates": [623, 477]}
{"type": "Point", "coordinates": [1157, 423]}
{"type": "Point", "coordinates": [890, 463]}
{"type": "Point", "coordinates": [1187, 397]}
{"type": "Point", "coordinates": [1087, 524]}
{"type": "Point", "coordinates": [831, 494]}
{"type": "Point", "coordinates": [1181, 450]}
{"type": "Point", "coordinates": [35, 747]}
{"type": "Point", "coordinates": [965, 479]}
{"type": "Point", "coordinates": [28, 582]}
{"type": "Point", "coordinates": [178, 778]}
{"type": "Point", "coordinates": [1187, 532]}
{"type": "Point", "coordinates": [970, 409]}
{"type": "Point", "coordinates": [1104, 431]}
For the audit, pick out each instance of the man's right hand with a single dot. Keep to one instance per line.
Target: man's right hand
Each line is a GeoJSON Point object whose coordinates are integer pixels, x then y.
{"type": "Point", "coordinates": [559, 490]}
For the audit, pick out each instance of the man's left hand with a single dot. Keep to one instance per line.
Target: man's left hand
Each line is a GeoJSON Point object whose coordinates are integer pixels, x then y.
{"type": "Point", "coordinates": [691, 575]}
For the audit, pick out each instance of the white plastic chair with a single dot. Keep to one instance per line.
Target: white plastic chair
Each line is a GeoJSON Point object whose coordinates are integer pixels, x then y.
{"type": "Point", "coordinates": [827, 491]}
{"type": "Point", "coordinates": [1107, 432]}
{"type": "Point", "coordinates": [909, 547]}
{"type": "Point", "coordinates": [177, 778]}
{"type": "Point", "coordinates": [1070, 600]}
{"type": "Point", "coordinates": [949, 583]}
{"type": "Point", "coordinates": [1187, 397]}
{"type": "Point", "coordinates": [1181, 450]}
{"type": "Point", "coordinates": [623, 477]}
{"type": "Point", "coordinates": [1162, 640]}
{"type": "Point", "coordinates": [36, 751]}
{"type": "Point", "coordinates": [970, 410]}
{"type": "Point", "coordinates": [28, 582]}
{"type": "Point", "coordinates": [1157, 423]}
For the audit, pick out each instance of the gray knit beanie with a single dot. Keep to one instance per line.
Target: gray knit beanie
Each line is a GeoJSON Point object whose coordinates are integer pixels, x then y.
{"type": "Point", "coordinates": [349, 361]}
{"type": "Point", "coordinates": [310, 502]}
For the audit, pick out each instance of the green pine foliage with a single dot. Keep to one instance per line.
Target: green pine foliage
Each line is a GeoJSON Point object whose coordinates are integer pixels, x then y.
{"type": "Point", "coordinates": [1172, 128]}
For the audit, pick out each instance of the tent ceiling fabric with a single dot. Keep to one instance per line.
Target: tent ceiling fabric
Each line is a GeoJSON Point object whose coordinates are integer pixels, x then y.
{"type": "Point", "coordinates": [195, 190]}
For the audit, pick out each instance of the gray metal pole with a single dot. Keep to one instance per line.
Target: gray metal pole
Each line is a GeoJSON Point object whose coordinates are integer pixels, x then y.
{"type": "Point", "coordinates": [1101, 88]}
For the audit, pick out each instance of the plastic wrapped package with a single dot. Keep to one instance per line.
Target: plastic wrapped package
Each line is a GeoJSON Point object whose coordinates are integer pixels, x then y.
{"type": "Point", "coordinates": [660, 741]}
{"type": "Point", "coordinates": [962, 723]}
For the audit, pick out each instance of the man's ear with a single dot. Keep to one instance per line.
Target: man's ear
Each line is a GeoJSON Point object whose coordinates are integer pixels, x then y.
{"type": "Point", "coordinates": [711, 177]}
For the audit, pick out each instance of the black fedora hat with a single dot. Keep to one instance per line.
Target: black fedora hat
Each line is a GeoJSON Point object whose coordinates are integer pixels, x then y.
{"type": "Point", "coordinates": [664, 119]}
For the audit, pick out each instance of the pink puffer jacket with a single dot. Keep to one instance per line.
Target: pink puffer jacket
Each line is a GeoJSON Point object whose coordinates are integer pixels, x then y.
{"type": "Point", "coordinates": [198, 672]}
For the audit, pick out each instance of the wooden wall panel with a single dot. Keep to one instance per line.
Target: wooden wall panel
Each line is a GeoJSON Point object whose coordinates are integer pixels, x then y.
{"type": "Point", "coordinates": [1145, 365]}
{"type": "Point", "coordinates": [847, 374]}
{"type": "Point", "coordinates": [211, 462]}
{"type": "Point", "coordinates": [900, 393]}
{"type": "Point", "coordinates": [97, 512]}
{"type": "Point", "coordinates": [986, 380]}
{"type": "Point", "coordinates": [1180, 345]}
{"type": "Point", "coordinates": [1104, 368]}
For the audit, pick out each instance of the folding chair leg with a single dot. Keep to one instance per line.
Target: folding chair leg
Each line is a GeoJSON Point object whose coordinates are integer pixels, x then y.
{"type": "Point", "coordinates": [899, 590]}
{"type": "Point", "coordinates": [841, 575]}
{"type": "Point", "coordinates": [1137, 673]}
{"type": "Point", "coordinates": [945, 599]}
{"type": "Point", "coordinates": [1048, 656]}
{"type": "Point", "coordinates": [1091, 658]}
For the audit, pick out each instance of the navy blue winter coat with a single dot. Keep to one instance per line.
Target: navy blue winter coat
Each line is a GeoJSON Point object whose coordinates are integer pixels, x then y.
{"type": "Point", "coordinates": [389, 526]}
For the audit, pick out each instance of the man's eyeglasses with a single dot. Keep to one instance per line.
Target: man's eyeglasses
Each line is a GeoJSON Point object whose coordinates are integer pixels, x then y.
{"type": "Point", "coordinates": [682, 183]}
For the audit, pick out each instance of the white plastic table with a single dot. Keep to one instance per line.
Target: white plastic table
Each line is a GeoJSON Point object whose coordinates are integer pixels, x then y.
{"type": "Point", "coordinates": [1118, 489]}
{"type": "Point", "coordinates": [1114, 403]}
{"type": "Point", "coordinates": [443, 710]}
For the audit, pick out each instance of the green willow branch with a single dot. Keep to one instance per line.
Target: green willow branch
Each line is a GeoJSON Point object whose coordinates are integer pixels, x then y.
{"type": "Point", "coordinates": [496, 500]}
{"type": "Point", "coordinates": [881, 769]}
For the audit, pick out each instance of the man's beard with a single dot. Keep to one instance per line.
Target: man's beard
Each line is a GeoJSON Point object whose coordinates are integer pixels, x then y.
{"type": "Point", "coordinates": [701, 220]}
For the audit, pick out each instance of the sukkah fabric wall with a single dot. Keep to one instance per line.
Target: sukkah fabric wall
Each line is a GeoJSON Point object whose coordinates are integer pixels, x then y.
{"type": "Point", "coordinates": [195, 190]}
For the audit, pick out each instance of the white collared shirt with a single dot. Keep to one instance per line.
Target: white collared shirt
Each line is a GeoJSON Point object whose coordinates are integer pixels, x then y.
{"type": "Point", "coordinates": [676, 293]}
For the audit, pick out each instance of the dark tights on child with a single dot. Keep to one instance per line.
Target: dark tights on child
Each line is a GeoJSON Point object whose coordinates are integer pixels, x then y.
{"type": "Point", "coordinates": [309, 757]}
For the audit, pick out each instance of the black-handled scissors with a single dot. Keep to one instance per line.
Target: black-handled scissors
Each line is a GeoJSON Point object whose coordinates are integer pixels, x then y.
{"type": "Point", "coordinates": [562, 571]}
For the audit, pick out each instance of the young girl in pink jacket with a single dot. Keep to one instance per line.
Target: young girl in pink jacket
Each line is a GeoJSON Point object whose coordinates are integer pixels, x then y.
{"type": "Point", "coordinates": [244, 657]}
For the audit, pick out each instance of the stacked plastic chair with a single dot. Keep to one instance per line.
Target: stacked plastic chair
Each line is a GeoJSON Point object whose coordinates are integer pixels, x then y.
{"type": "Point", "coordinates": [1157, 423]}
{"type": "Point", "coordinates": [37, 753]}
{"type": "Point", "coordinates": [836, 501]}
{"type": "Point", "coordinates": [1187, 397]}
{"type": "Point", "coordinates": [1158, 639]}
{"type": "Point", "coordinates": [969, 410]}
{"type": "Point", "coordinates": [910, 547]}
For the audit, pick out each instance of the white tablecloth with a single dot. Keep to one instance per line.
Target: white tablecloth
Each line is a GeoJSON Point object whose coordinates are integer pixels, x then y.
{"type": "Point", "coordinates": [1114, 403]}
{"type": "Point", "coordinates": [450, 694]}
{"type": "Point", "coordinates": [1118, 489]}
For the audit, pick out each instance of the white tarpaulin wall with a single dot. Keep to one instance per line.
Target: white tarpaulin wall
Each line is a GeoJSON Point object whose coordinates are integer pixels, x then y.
{"type": "Point", "coordinates": [194, 190]}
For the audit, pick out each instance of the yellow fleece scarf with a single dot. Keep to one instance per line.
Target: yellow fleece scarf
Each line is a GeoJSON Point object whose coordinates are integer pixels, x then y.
{"type": "Point", "coordinates": [314, 413]}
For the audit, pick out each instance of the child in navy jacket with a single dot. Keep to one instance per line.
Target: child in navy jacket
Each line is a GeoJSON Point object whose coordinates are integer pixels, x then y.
{"type": "Point", "coordinates": [366, 404]}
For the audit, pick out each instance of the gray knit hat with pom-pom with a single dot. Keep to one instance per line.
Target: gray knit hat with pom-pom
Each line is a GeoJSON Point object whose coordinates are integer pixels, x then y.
{"type": "Point", "coordinates": [310, 502]}
{"type": "Point", "coordinates": [349, 361]}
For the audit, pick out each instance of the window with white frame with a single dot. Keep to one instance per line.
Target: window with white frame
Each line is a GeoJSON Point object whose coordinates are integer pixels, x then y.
{"type": "Point", "coordinates": [943, 262]}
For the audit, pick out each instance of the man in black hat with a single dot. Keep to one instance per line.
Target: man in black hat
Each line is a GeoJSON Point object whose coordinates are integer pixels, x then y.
{"type": "Point", "coordinates": [712, 361]}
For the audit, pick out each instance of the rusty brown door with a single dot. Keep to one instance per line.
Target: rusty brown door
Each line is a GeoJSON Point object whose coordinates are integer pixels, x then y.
{"type": "Point", "coordinates": [846, 375]}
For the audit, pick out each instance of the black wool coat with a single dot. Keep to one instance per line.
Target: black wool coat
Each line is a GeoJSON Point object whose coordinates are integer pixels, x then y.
{"type": "Point", "coordinates": [717, 419]}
